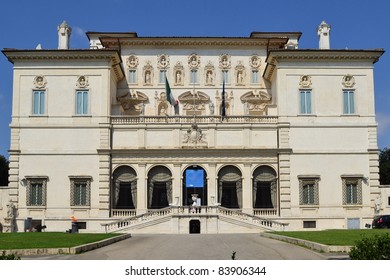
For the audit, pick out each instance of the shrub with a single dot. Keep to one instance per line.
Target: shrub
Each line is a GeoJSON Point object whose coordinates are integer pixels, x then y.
{"type": "Point", "coordinates": [9, 256]}
{"type": "Point", "coordinates": [373, 248]}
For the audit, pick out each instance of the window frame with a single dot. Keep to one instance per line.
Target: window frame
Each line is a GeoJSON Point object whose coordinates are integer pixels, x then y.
{"type": "Point", "coordinates": [78, 199]}
{"type": "Point", "coordinates": [352, 190]}
{"type": "Point", "coordinates": [255, 76]}
{"type": "Point", "coordinates": [309, 183]}
{"type": "Point", "coordinates": [194, 77]}
{"type": "Point", "coordinates": [348, 108]}
{"type": "Point", "coordinates": [39, 111]}
{"type": "Point", "coordinates": [133, 76]}
{"type": "Point", "coordinates": [87, 107]}
{"type": "Point", "coordinates": [225, 76]}
{"type": "Point", "coordinates": [33, 181]}
{"type": "Point", "coordinates": [307, 108]}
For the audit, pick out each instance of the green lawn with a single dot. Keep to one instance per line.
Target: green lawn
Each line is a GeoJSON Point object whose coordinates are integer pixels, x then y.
{"type": "Point", "coordinates": [30, 240]}
{"type": "Point", "coordinates": [334, 237]}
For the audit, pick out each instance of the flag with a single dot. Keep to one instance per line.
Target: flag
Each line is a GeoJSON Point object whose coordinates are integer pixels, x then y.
{"type": "Point", "coordinates": [168, 91]}
{"type": "Point", "coordinates": [223, 103]}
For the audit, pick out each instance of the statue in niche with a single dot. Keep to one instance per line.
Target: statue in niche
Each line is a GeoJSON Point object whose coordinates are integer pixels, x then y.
{"type": "Point", "coordinates": [211, 107]}
{"type": "Point", "coordinates": [209, 77]}
{"type": "Point", "coordinates": [240, 78]}
{"type": "Point", "coordinates": [10, 210]}
{"type": "Point", "coordinates": [147, 77]}
{"type": "Point", "coordinates": [163, 106]}
{"type": "Point", "coordinates": [178, 77]}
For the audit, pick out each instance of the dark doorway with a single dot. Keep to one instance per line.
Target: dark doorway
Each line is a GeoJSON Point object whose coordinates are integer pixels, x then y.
{"type": "Point", "coordinates": [263, 195]}
{"type": "Point", "coordinates": [194, 226]}
{"type": "Point", "coordinates": [125, 198]}
{"type": "Point", "coordinates": [229, 197]}
{"type": "Point", "coordinates": [194, 183]}
{"type": "Point", "coordinates": [160, 196]}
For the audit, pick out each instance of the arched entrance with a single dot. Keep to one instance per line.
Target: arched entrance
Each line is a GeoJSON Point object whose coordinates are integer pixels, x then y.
{"type": "Point", "coordinates": [159, 187]}
{"type": "Point", "coordinates": [264, 187]}
{"type": "Point", "coordinates": [194, 226]}
{"type": "Point", "coordinates": [230, 187]}
{"type": "Point", "coordinates": [124, 194]}
{"type": "Point", "coordinates": [194, 185]}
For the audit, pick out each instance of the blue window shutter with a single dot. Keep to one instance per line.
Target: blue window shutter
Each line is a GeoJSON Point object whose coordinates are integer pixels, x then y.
{"type": "Point", "coordinates": [351, 102]}
{"type": "Point", "coordinates": [308, 102]}
{"type": "Point", "coordinates": [85, 102]}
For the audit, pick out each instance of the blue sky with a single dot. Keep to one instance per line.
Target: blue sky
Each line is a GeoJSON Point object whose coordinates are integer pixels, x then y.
{"type": "Point", "coordinates": [358, 24]}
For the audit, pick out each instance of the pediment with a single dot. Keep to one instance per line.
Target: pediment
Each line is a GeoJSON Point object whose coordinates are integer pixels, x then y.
{"type": "Point", "coordinates": [190, 96]}
{"type": "Point", "coordinates": [256, 96]}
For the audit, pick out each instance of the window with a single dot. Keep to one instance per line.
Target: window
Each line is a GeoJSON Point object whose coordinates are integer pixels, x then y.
{"type": "Point", "coordinates": [352, 191]}
{"type": "Point", "coordinates": [162, 76]}
{"type": "Point", "coordinates": [309, 224]}
{"type": "Point", "coordinates": [255, 77]}
{"type": "Point", "coordinates": [305, 101]}
{"type": "Point", "coordinates": [36, 191]}
{"type": "Point", "coordinates": [308, 191]}
{"type": "Point", "coordinates": [80, 188]}
{"type": "Point", "coordinates": [349, 101]}
{"type": "Point", "coordinates": [39, 102]}
{"type": "Point", "coordinates": [132, 76]}
{"type": "Point", "coordinates": [225, 76]}
{"type": "Point", "coordinates": [194, 76]}
{"type": "Point", "coordinates": [82, 102]}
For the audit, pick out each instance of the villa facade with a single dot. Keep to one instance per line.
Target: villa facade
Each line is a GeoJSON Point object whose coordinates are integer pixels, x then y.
{"type": "Point", "coordinates": [193, 134]}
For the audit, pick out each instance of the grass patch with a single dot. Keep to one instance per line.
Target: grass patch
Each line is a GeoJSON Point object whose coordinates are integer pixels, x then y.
{"type": "Point", "coordinates": [34, 240]}
{"type": "Point", "coordinates": [334, 237]}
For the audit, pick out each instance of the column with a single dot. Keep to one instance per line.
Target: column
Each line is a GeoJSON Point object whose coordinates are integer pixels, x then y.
{"type": "Point", "coordinates": [142, 191]}
{"type": "Point", "coordinates": [247, 201]}
{"type": "Point", "coordinates": [212, 188]}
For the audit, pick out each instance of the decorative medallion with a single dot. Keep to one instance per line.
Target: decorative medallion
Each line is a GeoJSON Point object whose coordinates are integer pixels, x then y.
{"type": "Point", "coordinates": [163, 61]}
{"type": "Point", "coordinates": [194, 61]}
{"type": "Point", "coordinates": [348, 81]}
{"type": "Point", "coordinates": [179, 74]}
{"type": "Point", "coordinates": [40, 82]}
{"type": "Point", "coordinates": [132, 61]}
{"type": "Point", "coordinates": [305, 81]}
{"type": "Point", "coordinates": [209, 74]}
{"type": "Point", "coordinates": [82, 82]}
{"type": "Point", "coordinates": [254, 61]}
{"type": "Point", "coordinates": [224, 61]}
{"type": "Point", "coordinates": [194, 135]}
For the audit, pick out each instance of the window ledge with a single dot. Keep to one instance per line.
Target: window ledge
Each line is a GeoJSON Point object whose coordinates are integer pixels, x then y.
{"type": "Point", "coordinates": [309, 206]}
{"type": "Point", "coordinates": [80, 207]}
{"type": "Point", "coordinates": [350, 206]}
{"type": "Point", "coordinates": [39, 116]}
{"type": "Point", "coordinates": [307, 115]}
{"type": "Point", "coordinates": [33, 207]}
{"type": "Point", "coordinates": [349, 115]}
{"type": "Point", "coordinates": [82, 116]}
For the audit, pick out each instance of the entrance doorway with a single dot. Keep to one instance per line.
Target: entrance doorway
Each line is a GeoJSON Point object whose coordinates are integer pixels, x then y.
{"type": "Point", "coordinates": [159, 187]}
{"type": "Point", "coordinates": [160, 196]}
{"type": "Point", "coordinates": [125, 198]}
{"type": "Point", "coordinates": [194, 226]}
{"type": "Point", "coordinates": [264, 188]}
{"type": "Point", "coordinates": [229, 195]}
{"type": "Point", "coordinates": [194, 186]}
{"type": "Point", "coordinates": [263, 195]}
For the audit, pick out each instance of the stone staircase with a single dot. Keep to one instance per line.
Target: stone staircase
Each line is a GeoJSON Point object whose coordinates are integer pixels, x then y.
{"type": "Point", "coordinates": [155, 217]}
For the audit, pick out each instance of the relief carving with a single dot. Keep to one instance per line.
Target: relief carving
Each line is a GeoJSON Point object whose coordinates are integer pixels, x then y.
{"type": "Point", "coordinates": [305, 81]}
{"type": "Point", "coordinates": [256, 102]}
{"type": "Point", "coordinates": [148, 74]}
{"type": "Point", "coordinates": [348, 81]}
{"type": "Point", "coordinates": [240, 74]}
{"type": "Point", "coordinates": [40, 82]}
{"type": "Point", "coordinates": [224, 61]}
{"type": "Point", "coordinates": [194, 103]}
{"type": "Point", "coordinates": [163, 61]}
{"type": "Point", "coordinates": [194, 61]}
{"type": "Point", "coordinates": [194, 136]}
{"type": "Point", "coordinates": [82, 82]}
{"type": "Point", "coordinates": [132, 61]}
{"type": "Point", "coordinates": [133, 102]}
{"type": "Point", "coordinates": [209, 74]}
{"type": "Point", "coordinates": [179, 74]}
{"type": "Point", "coordinates": [254, 62]}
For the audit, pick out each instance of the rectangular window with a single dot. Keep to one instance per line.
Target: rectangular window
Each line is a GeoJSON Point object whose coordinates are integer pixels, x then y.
{"type": "Point", "coordinates": [38, 102]}
{"type": "Point", "coordinates": [36, 191]}
{"type": "Point", "coordinates": [162, 76]}
{"type": "Point", "coordinates": [225, 76]}
{"type": "Point", "coordinates": [308, 191]}
{"type": "Point", "coordinates": [80, 191]}
{"type": "Point", "coordinates": [255, 77]}
{"type": "Point", "coordinates": [194, 77]}
{"type": "Point", "coordinates": [82, 102]}
{"type": "Point", "coordinates": [349, 101]}
{"type": "Point", "coordinates": [305, 101]}
{"type": "Point", "coordinates": [132, 76]}
{"type": "Point", "coordinates": [309, 224]}
{"type": "Point", "coordinates": [352, 191]}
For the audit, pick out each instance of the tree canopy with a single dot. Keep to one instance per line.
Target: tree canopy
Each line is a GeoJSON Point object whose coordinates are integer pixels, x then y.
{"type": "Point", "coordinates": [384, 166]}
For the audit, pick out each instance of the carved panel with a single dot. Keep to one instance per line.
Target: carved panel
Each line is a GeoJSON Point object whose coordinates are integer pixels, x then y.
{"type": "Point", "coordinates": [194, 61]}
{"type": "Point", "coordinates": [254, 62]}
{"type": "Point", "coordinates": [256, 102]}
{"type": "Point", "coordinates": [132, 61]}
{"type": "Point", "coordinates": [224, 61]}
{"type": "Point", "coordinates": [40, 82]}
{"type": "Point", "coordinates": [82, 82]}
{"type": "Point", "coordinates": [194, 136]}
{"type": "Point", "coordinates": [194, 103]}
{"type": "Point", "coordinates": [305, 81]}
{"type": "Point", "coordinates": [228, 101]}
{"type": "Point", "coordinates": [162, 104]}
{"type": "Point", "coordinates": [348, 81]}
{"type": "Point", "coordinates": [163, 61]}
{"type": "Point", "coordinates": [133, 102]}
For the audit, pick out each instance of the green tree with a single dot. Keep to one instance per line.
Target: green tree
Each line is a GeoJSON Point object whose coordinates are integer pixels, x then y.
{"type": "Point", "coordinates": [384, 166]}
{"type": "Point", "coordinates": [4, 168]}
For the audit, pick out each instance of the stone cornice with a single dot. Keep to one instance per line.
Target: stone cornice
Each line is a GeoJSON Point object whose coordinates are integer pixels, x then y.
{"type": "Point", "coordinates": [275, 56]}
{"type": "Point", "coordinates": [271, 43]}
{"type": "Point", "coordinates": [14, 55]}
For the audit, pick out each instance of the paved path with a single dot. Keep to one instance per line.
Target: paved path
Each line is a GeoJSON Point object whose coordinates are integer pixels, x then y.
{"type": "Point", "coordinates": [195, 247]}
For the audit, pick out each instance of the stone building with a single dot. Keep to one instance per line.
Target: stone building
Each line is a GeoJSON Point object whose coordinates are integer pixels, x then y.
{"type": "Point", "coordinates": [193, 134]}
